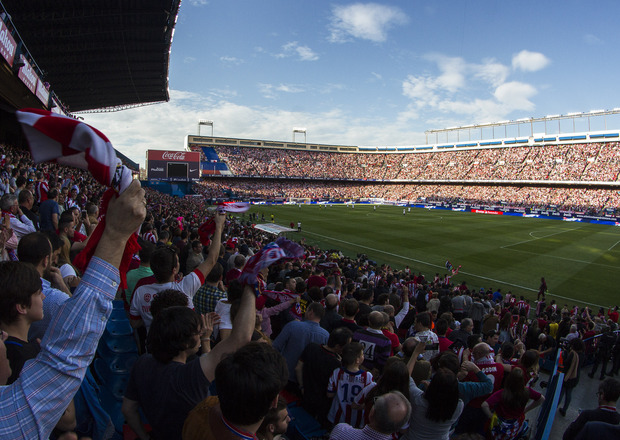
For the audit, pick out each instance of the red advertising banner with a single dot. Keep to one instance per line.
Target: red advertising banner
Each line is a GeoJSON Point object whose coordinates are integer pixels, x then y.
{"type": "Point", "coordinates": [486, 211]}
{"type": "Point", "coordinates": [173, 166]}
{"type": "Point", "coordinates": [8, 46]}
{"type": "Point", "coordinates": [173, 156]}
{"type": "Point", "coordinates": [27, 75]}
{"type": "Point", "coordinates": [42, 93]}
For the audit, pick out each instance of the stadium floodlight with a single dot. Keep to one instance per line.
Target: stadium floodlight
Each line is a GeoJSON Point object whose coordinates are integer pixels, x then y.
{"type": "Point", "coordinates": [502, 122]}
{"type": "Point", "coordinates": [574, 114]}
{"type": "Point", "coordinates": [299, 130]}
{"type": "Point", "coordinates": [597, 111]}
{"type": "Point", "coordinates": [205, 122]}
{"type": "Point", "coordinates": [552, 116]}
{"type": "Point", "coordinates": [617, 109]}
{"type": "Point", "coordinates": [524, 120]}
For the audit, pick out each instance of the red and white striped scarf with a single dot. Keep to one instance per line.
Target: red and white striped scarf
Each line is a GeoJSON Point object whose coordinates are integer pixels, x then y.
{"type": "Point", "coordinates": [69, 142]}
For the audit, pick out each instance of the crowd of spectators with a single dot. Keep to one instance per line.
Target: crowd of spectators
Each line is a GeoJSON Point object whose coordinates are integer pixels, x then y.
{"type": "Point", "coordinates": [585, 200]}
{"type": "Point", "coordinates": [592, 162]}
{"type": "Point", "coordinates": [369, 350]}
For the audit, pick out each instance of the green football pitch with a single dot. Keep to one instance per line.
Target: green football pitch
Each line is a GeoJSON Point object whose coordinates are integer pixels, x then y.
{"type": "Point", "coordinates": [579, 261]}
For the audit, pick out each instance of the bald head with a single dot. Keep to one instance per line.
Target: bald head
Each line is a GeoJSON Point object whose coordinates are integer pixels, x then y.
{"type": "Point", "coordinates": [331, 301]}
{"type": "Point", "coordinates": [390, 412]}
{"type": "Point", "coordinates": [481, 350]}
{"type": "Point", "coordinates": [375, 320]}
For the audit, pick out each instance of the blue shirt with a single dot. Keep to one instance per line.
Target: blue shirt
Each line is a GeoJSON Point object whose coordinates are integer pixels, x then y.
{"type": "Point", "coordinates": [46, 209]}
{"type": "Point", "coordinates": [293, 339]}
{"type": "Point", "coordinates": [31, 406]}
{"type": "Point", "coordinates": [54, 298]}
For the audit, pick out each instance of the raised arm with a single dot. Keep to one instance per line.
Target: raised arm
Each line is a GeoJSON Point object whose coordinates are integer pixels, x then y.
{"type": "Point", "coordinates": [243, 326]}
{"type": "Point", "coordinates": [31, 406]}
{"type": "Point", "coordinates": [214, 248]}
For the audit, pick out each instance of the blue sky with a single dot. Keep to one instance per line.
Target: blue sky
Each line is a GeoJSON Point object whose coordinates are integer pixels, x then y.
{"type": "Point", "coordinates": [374, 74]}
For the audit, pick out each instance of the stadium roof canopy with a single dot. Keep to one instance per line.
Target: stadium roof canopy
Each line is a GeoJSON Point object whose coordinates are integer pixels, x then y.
{"type": "Point", "coordinates": [108, 54]}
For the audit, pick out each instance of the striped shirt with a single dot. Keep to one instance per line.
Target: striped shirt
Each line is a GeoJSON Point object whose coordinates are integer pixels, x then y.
{"type": "Point", "coordinates": [32, 405]}
{"type": "Point", "coordinates": [347, 385]}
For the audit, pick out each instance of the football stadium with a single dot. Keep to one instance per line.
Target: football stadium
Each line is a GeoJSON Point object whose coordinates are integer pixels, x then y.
{"type": "Point", "coordinates": [463, 287]}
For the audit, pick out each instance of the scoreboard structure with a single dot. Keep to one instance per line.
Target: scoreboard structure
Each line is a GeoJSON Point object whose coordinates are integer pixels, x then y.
{"type": "Point", "coordinates": [173, 166]}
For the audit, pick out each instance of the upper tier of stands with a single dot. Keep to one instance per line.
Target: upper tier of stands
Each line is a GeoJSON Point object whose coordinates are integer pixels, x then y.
{"type": "Point", "coordinates": [588, 162]}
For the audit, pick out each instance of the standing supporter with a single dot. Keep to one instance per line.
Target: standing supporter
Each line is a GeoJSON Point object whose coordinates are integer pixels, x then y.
{"type": "Point", "coordinates": [211, 292]}
{"type": "Point", "coordinates": [387, 416]}
{"type": "Point", "coordinates": [235, 272]}
{"type": "Point", "coordinates": [49, 212]}
{"type": "Point", "coordinates": [165, 267]}
{"type": "Point", "coordinates": [435, 410]}
{"type": "Point", "coordinates": [572, 363]}
{"type": "Point", "coordinates": [296, 335]}
{"type": "Point", "coordinates": [52, 379]}
{"type": "Point", "coordinates": [462, 333]}
{"type": "Point", "coordinates": [349, 309]}
{"type": "Point", "coordinates": [510, 406]}
{"type": "Point", "coordinates": [194, 257]}
{"type": "Point", "coordinates": [331, 312]}
{"type": "Point", "coordinates": [148, 233]}
{"type": "Point", "coordinates": [364, 301]}
{"type": "Point", "coordinates": [345, 384]}
{"type": "Point", "coordinates": [377, 346]}
{"type": "Point", "coordinates": [26, 202]}
{"type": "Point", "coordinates": [608, 394]}
{"type": "Point", "coordinates": [35, 248]}
{"type": "Point", "coordinates": [275, 423]}
{"type": "Point", "coordinates": [314, 368]}
{"type": "Point", "coordinates": [248, 381]}
{"type": "Point", "coordinates": [20, 224]}
{"type": "Point", "coordinates": [603, 353]}
{"type": "Point", "coordinates": [423, 333]}
{"type": "Point", "coordinates": [142, 271]}
{"type": "Point", "coordinates": [163, 383]}
{"type": "Point", "coordinates": [473, 417]}
{"type": "Point", "coordinates": [613, 314]}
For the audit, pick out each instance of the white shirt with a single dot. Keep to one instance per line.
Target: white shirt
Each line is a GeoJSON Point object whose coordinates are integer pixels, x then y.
{"type": "Point", "coordinates": [143, 295]}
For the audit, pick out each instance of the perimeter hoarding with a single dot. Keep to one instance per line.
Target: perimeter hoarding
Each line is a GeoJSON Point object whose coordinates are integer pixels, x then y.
{"type": "Point", "coordinates": [173, 166]}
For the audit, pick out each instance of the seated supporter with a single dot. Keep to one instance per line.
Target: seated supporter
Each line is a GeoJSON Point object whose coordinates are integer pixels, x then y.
{"type": "Point", "coordinates": [275, 422]}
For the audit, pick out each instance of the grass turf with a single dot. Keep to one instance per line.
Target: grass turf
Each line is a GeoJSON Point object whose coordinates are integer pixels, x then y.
{"type": "Point", "coordinates": [578, 260]}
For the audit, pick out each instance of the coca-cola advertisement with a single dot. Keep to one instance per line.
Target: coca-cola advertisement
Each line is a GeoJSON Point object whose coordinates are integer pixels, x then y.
{"type": "Point", "coordinates": [173, 166]}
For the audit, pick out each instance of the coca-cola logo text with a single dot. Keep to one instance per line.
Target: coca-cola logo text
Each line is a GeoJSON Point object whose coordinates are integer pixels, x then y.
{"type": "Point", "coordinates": [7, 43]}
{"type": "Point", "coordinates": [173, 155]}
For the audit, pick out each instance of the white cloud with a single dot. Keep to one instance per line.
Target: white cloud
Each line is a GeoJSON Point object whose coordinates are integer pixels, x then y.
{"type": "Point", "coordinates": [376, 75]}
{"type": "Point", "coordinates": [293, 48]}
{"type": "Point", "coordinates": [198, 2]}
{"type": "Point", "coordinates": [231, 60]}
{"type": "Point", "coordinates": [189, 60]}
{"type": "Point", "coordinates": [164, 126]}
{"type": "Point", "coordinates": [592, 39]}
{"type": "Point", "coordinates": [529, 61]}
{"type": "Point", "coordinates": [270, 91]}
{"type": "Point", "coordinates": [369, 21]}
{"type": "Point", "coordinates": [447, 92]}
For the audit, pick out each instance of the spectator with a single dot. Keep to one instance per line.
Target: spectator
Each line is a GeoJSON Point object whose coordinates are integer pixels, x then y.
{"type": "Point", "coordinates": [388, 415]}
{"type": "Point", "coordinates": [26, 202]}
{"type": "Point", "coordinates": [275, 423]}
{"type": "Point", "coordinates": [296, 335]}
{"type": "Point", "coordinates": [377, 346]}
{"type": "Point", "coordinates": [572, 363]}
{"type": "Point", "coordinates": [608, 394]}
{"type": "Point", "coordinates": [142, 271]}
{"type": "Point", "coordinates": [20, 224]}
{"type": "Point", "coordinates": [73, 335]}
{"type": "Point", "coordinates": [211, 292]}
{"type": "Point", "coordinates": [49, 212]}
{"type": "Point", "coordinates": [258, 373]}
{"type": "Point", "coordinates": [314, 368]}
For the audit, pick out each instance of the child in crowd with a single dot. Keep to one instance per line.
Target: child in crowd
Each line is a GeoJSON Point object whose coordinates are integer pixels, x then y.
{"type": "Point", "coordinates": [345, 384]}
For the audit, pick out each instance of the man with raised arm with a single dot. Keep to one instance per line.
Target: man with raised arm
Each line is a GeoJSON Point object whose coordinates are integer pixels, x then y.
{"type": "Point", "coordinates": [165, 266]}
{"type": "Point", "coordinates": [32, 405]}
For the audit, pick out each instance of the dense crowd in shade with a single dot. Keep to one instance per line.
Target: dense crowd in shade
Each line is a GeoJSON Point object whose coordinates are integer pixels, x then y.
{"type": "Point", "coordinates": [366, 350]}
{"type": "Point", "coordinates": [570, 199]}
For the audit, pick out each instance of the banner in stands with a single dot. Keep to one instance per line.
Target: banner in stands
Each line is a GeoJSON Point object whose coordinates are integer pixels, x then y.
{"type": "Point", "coordinates": [27, 75]}
{"type": "Point", "coordinates": [8, 46]}
{"type": "Point", "coordinates": [173, 166]}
